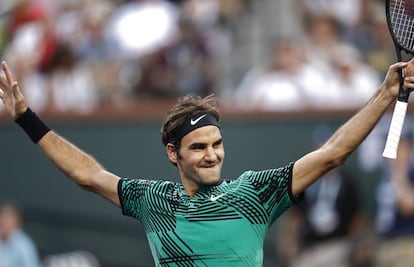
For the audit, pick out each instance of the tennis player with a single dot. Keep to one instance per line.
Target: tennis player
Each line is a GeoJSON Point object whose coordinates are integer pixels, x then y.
{"type": "Point", "coordinates": [204, 221]}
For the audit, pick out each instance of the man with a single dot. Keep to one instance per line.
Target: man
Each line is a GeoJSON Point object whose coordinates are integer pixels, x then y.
{"type": "Point", "coordinates": [203, 221]}
{"type": "Point", "coordinates": [17, 249]}
{"type": "Point", "coordinates": [319, 232]}
{"type": "Point", "coordinates": [395, 208]}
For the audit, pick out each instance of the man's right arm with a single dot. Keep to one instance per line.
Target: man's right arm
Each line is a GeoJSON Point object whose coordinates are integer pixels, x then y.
{"type": "Point", "coordinates": [80, 167]}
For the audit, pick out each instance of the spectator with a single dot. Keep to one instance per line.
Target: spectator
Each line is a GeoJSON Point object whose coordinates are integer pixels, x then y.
{"type": "Point", "coordinates": [353, 81]}
{"type": "Point", "coordinates": [24, 12]}
{"type": "Point", "coordinates": [185, 65]}
{"type": "Point", "coordinates": [288, 82]}
{"type": "Point", "coordinates": [32, 37]}
{"type": "Point", "coordinates": [319, 231]}
{"type": "Point", "coordinates": [321, 37]}
{"type": "Point", "coordinates": [346, 12]}
{"type": "Point", "coordinates": [17, 249]}
{"type": "Point", "coordinates": [72, 85]}
{"type": "Point", "coordinates": [371, 37]}
{"type": "Point", "coordinates": [395, 213]}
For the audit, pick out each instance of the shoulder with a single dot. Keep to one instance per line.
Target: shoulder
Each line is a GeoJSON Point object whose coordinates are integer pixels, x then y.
{"type": "Point", "coordinates": [134, 194]}
{"type": "Point", "coordinates": [21, 238]}
{"type": "Point", "coordinates": [144, 184]}
{"type": "Point", "coordinates": [284, 172]}
{"type": "Point", "coordinates": [137, 188]}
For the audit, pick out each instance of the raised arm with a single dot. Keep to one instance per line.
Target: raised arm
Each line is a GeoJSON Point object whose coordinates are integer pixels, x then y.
{"type": "Point", "coordinates": [350, 135]}
{"type": "Point", "coordinates": [80, 167]}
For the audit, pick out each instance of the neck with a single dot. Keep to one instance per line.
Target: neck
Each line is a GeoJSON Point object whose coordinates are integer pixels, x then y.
{"type": "Point", "coordinates": [190, 188]}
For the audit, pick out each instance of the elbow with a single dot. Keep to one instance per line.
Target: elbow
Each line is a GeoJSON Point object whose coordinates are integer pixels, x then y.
{"type": "Point", "coordinates": [83, 179]}
{"type": "Point", "coordinates": [335, 157]}
{"type": "Point", "coordinates": [86, 187]}
{"type": "Point", "coordinates": [339, 160]}
{"type": "Point", "coordinates": [85, 183]}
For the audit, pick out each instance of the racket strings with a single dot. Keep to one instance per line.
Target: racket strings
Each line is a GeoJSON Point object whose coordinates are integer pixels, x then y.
{"type": "Point", "coordinates": [402, 22]}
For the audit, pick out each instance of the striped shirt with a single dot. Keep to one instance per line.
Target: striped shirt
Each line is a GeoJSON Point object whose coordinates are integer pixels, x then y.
{"type": "Point", "coordinates": [221, 225]}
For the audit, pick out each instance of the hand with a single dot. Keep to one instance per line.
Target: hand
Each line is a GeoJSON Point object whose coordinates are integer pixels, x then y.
{"type": "Point", "coordinates": [10, 93]}
{"type": "Point", "coordinates": [392, 79]}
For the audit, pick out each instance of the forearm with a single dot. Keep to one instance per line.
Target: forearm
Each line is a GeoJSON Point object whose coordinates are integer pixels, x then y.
{"type": "Point", "coordinates": [80, 167]}
{"type": "Point", "coordinates": [341, 144]}
{"type": "Point", "coordinates": [72, 161]}
{"type": "Point", "coordinates": [75, 163]}
{"type": "Point", "coordinates": [350, 135]}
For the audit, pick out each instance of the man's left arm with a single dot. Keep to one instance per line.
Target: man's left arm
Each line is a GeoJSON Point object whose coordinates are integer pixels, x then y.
{"type": "Point", "coordinates": [350, 135]}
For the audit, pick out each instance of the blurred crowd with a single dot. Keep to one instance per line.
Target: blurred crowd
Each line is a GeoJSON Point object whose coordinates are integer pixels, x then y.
{"type": "Point", "coordinates": [336, 59]}
{"type": "Point", "coordinates": [77, 55]}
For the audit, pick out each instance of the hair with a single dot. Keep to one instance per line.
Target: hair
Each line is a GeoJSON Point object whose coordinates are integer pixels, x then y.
{"type": "Point", "coordinates": [186, 106]}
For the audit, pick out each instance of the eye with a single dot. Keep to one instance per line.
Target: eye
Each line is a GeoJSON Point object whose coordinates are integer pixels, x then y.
{"type": "Point", "coordinates": [218, 143]}
{"type": "Point", "coordinates": [198, 146]}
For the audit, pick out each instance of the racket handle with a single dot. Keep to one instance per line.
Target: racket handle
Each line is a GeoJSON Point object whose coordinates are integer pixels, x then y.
{"type": "Point", "coordinates": [394, 133]}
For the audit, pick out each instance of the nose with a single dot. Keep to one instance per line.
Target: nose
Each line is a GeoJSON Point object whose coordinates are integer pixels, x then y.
{"type": "Point", "coordinates": [211, 155]}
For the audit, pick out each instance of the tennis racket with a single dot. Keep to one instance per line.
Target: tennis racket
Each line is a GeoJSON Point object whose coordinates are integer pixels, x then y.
{"type": "Point", "coordinates": [400, 19]}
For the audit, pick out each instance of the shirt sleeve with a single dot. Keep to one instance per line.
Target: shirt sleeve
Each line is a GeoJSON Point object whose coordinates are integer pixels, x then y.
{"type": "Point", "coordinates": [274, 188]}
{"type": "Point", "coordinates": [131, 194]}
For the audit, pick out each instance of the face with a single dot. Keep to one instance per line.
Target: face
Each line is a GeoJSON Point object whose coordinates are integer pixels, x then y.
{"type": "Point", "coordinates": [9, 222]}
{"type": "Point", "coordinates": [199, 158]}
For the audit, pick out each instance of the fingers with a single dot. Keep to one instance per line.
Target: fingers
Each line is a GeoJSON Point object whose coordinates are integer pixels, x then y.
{"type": "Point", "coordinates": [409, 83]}
{"type": "Point", "coordinates": [10, 93]}
{"type": "Point", "coordinates": [17, 93]}
{"type": "Point", "coordinates": [8, 83]}
{"type": "Point", "coordinates": [4, 79]}
{"type": "Point", "coordinates": [9, 76]}
{"type": "Point", "coordinates": [3, 82]}
{"type": "Point", "coordinates": [399, 65]}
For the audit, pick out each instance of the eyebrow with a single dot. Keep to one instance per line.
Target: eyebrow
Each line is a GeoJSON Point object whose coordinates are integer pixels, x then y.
{"type": "Point", "coordinates": [219, 141]}
{"type": "Point", "coordinates": [200, 144]}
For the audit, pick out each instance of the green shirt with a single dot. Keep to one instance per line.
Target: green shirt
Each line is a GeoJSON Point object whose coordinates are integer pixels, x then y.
{"type": "Point", "coordinates": [222, 225]}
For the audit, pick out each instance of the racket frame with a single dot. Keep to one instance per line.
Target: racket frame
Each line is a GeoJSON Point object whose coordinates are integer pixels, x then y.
{"type": "Point", "coordinates": [400, 109]}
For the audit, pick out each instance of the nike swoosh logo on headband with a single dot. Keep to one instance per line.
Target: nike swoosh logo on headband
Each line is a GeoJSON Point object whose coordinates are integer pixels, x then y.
{"type": "Point", "coordinates": [194, 122]}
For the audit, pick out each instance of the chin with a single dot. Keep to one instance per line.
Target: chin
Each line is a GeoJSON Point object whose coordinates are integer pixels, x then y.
{"type": "Point", "coordinates": [209, 176]}
{"type": "Point", "coordinates": [211, 181]}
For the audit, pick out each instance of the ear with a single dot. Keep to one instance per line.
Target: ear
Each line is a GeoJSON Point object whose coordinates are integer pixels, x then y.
{"type": "Point", "coordinates": [171, 153]}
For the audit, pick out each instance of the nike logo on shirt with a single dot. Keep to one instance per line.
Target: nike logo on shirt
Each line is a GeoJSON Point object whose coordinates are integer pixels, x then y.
{"type": "Point", "coordinates": [214, 198]}
{"type": "Point", "coordinates": [194, 122]}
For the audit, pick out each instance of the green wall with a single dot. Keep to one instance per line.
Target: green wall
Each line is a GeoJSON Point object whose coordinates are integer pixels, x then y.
{"type": "Point", "coordinates": [61, 217]}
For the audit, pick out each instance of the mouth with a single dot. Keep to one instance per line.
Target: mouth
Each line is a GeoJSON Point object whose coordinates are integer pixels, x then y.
{"type": "Point", "coordinates": [209, 166]}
